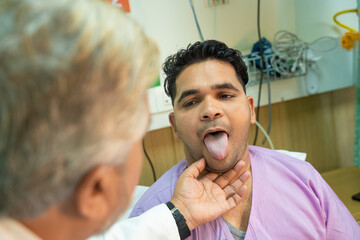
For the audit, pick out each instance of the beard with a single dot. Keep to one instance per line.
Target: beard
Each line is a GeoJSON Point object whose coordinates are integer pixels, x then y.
{"type": "Point", "coordinates": [237, 152]}
{"type": "Point", "coordinates": [223, 167]}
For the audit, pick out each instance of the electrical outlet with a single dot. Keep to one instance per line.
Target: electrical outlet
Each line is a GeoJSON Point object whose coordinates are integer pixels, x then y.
{"type": "Point", "coordinates": [167, 100]}
{"type": "Point", "coordinates": [213, 3]}
{"type": "Point", "coordinates": [162, 102]}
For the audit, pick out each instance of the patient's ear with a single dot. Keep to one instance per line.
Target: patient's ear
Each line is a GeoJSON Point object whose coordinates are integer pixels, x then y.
{"type": "Point", "coordinates": [252, 110]}
{"type": "Point", "coordinates": [173, 124]}
{"type": "Point", "coordinates": [97, 193]}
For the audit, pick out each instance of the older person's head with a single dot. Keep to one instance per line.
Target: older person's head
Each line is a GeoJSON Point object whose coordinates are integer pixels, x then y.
{"type": "Point", "coordinates": [73, 77]}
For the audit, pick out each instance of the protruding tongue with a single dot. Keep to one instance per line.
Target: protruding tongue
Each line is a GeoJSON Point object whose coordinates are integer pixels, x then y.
{"type": "Point", "coordinates": [217, 144]}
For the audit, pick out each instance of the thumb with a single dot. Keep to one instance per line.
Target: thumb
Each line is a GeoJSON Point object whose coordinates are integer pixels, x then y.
{"type": "Point", "coordinates": [196, 168]}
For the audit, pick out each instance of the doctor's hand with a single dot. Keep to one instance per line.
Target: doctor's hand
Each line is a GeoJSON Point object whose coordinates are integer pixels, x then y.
{"type": "Point", "coordinates": [201, 201]}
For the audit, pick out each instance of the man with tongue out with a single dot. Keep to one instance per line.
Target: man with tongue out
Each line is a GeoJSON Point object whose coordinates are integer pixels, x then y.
{"type": "Point", "coordinates": [286, 197]}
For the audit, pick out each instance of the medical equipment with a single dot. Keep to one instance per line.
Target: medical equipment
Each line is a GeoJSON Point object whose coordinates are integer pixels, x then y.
{"type": "Point", "coordinates": [348, 39]}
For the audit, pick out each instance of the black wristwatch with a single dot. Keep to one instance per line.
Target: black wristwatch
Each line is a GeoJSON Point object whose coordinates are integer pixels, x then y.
{"type": "Point", "coordinates": [183, 228]}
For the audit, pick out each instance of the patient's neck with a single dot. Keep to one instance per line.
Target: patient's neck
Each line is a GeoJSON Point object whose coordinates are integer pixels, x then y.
{"type": "Point", "coordinates": [240, 215]}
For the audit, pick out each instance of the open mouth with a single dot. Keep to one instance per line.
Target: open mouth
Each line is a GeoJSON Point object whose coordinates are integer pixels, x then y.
{"type": "Point", "coordinates": [216, 143]}
{"type": "Point", "coordinates": [216, 133]}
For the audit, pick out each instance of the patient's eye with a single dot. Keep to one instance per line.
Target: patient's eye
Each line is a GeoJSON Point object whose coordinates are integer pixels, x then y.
{"type": "Point", "coordinates": [226, 96]}
{"type": "Point", "coordinates": [190, 103]}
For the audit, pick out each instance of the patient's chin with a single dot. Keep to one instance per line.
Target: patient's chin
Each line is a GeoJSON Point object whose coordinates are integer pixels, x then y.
{"type": "Point", "coordinates": [220, 168]}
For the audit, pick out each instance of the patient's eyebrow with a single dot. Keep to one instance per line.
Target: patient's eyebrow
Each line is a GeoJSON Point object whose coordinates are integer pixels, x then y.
{"type": "Point", "coordinates": [187, 93]}
{"type": "Point", "coordinates": [224, 86]}
{"type": "Point", "coordinates": [214, 87]}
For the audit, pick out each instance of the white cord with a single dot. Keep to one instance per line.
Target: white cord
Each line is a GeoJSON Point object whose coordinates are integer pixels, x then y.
{"type": "Point", "coordinates": [290, 52]}
{"type": "Point", "coordinates": [266, 135]}
{"type": "Point", "coordinates": [334, 40]}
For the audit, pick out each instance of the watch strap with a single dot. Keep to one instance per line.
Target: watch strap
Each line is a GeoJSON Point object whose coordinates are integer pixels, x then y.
{"type": "Point", "coordinates": [183, 228]}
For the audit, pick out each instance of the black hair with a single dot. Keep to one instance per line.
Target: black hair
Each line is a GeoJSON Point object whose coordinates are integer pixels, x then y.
{"type": "Point", "coordinates": [198, 52]}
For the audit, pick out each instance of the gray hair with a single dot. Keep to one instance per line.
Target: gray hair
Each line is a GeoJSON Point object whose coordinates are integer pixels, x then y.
{"type": "Point", "coordinates": [73, 78]}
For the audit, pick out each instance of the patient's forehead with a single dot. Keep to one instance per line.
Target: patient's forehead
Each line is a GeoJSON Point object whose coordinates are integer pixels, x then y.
{"type": "Point", "coordinates": [206, 74]}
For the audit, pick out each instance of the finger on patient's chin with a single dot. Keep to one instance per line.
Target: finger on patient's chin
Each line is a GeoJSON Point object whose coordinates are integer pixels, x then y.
{"type": "Point", "coordinates": [239, 165]}
{"type": "Point", "coordinates": [237, 193]}
{"type": "Point", "coordinates": [242, 191]}
{"type": "Point", "coordinates": [229, 176]}
{"type": "Point", "coordinates": [245, 176]}
{"type": "Point", "coordinates": [233, 188]}
{"type": "Point", "coordinates": [201, 164]}
{"type": "Point", "coordinates": [211, 176]}
{"type": "Point", "coordinates": [237, 198]}
{"type": "Point", "coordinates": [196, 168]}
{"type": "Point", "coordinates": [232, 173]}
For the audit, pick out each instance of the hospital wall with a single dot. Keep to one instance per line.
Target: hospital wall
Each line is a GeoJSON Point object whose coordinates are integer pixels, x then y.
{"type": "Point", "coordinates": [171, 23]}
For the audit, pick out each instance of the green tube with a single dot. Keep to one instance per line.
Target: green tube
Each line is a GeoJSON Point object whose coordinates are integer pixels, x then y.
{"type": "Point", "coordinates": [357, 110]}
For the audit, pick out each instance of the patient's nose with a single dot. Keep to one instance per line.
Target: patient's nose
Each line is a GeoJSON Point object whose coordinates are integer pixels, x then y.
{"type": "Point", "coordinates": [211, 109]}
